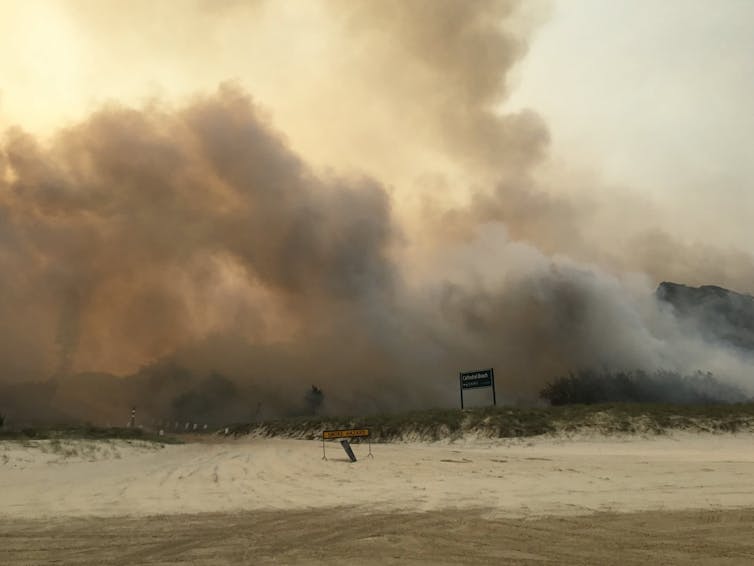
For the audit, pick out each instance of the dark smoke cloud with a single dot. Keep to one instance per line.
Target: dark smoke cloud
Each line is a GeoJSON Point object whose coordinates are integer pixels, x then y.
{"type": "Point", "coordinates": [115, 235]}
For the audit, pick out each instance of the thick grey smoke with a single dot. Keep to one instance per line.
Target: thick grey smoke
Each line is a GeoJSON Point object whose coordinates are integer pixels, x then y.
{"type": "Point", "coordinates": [117, 235]}
{"type": "Point", "coordinates": [191, 248]}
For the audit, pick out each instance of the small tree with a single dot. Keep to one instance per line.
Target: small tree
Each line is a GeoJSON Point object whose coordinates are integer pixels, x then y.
{"type": "Point", "coordinates": [2, 420]}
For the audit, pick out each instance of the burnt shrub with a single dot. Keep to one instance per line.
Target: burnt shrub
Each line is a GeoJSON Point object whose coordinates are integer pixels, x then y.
{"type": "Point", "coordinates": [590, 386]}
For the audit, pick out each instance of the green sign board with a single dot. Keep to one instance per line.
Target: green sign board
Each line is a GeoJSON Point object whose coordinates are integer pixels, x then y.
{"type": "Point", "coordinates": [476, 379]}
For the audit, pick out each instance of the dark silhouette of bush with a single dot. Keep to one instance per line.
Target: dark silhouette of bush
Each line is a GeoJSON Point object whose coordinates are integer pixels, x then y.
{"type": "Point", "coordinates": [314, 399]}
{"type": "Point", "coordinates": [588, 387]}
{"type": "Point", "coordinates": [2, 420]}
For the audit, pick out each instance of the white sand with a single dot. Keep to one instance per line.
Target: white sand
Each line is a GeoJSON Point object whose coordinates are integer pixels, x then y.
{"type": "Point", "coordinates": [531, 477]}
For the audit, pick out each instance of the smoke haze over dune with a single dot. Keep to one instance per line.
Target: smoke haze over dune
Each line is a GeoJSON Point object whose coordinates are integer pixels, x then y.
{"type": "Point", "coordinates": [408, 227]}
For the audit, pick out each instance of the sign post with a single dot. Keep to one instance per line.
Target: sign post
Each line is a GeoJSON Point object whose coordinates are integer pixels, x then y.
{"type": "Point", "coordinates": [347, 447]}
{"type": "Point", "coordinates": [477, 379]}
{"type": "Point", "coordinates": [346, 434]}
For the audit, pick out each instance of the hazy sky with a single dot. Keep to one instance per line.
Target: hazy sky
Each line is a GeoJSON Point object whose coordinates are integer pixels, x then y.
{"type": "Point", "coordinates": [655, 97]}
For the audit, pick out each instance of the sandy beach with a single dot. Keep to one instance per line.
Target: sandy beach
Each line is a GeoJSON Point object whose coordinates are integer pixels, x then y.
{"type": "Point", "coordinates": [533, 477]}
{"type": "Point", "coordinates": [546, 487]}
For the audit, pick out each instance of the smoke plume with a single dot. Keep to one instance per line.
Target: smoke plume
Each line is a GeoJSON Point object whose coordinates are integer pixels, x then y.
{"type": "Point", "coordinates": [192, 248]}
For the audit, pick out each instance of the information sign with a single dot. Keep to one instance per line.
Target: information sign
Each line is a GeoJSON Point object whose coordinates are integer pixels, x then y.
{"type": "Point", "coordinates": [476, 379]}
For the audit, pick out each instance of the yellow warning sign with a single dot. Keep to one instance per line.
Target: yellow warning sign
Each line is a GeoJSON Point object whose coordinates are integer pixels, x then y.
{"type": "Point", "coordinates": [346, 433]}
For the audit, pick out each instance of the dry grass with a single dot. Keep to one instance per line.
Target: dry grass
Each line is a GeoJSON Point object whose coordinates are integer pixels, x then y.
{"type": "Point", "coordinates": [510, 422]}
{"type": "Point", "coordinates": [56, 434]}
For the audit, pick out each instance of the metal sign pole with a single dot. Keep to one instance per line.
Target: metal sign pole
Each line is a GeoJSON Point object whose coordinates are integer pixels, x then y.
{"type": "Point", "coordinates": [494, 399]}
{"type": "Point", "coordinates": [460, 386]}
{"type": "Point", "coordinates": [324, 457]}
